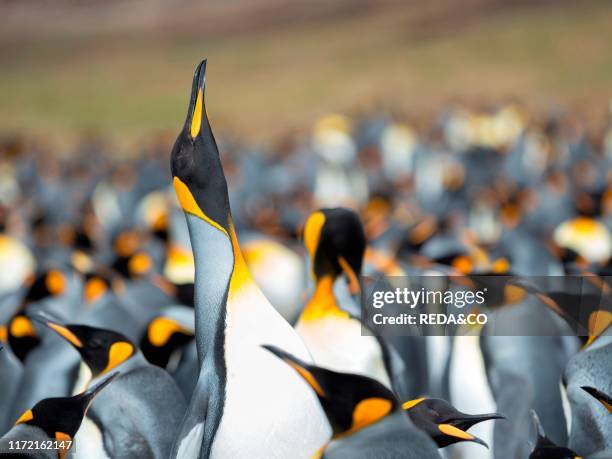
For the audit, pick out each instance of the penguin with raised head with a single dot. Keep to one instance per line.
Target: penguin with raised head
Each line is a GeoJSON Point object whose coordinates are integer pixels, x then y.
{"type": "Point", "coordinates": [232, 319]}
{"type": "Point", "coordinates": [153, 404]}
{"type": "Point", "coordinates": [52, 419]}
{"type": "Point", "coordinates": [366, 417]}
{"type": "Point", "coordinates": [443, 422]}
{"type": "Point", "coordinates": [336, 243]}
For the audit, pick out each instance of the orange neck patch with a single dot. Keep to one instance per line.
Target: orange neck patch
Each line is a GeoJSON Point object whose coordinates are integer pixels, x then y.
{"type": "Point", "coordinates": [323, 302]}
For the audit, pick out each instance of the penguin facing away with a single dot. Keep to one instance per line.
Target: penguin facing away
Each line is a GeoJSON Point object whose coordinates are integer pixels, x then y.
{"type": "Point", "coordinates": [336, 243]}
{"type": "Point", "coordinates": [232, 319]}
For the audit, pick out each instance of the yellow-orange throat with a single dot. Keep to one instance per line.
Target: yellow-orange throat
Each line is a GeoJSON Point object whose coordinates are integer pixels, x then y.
{"type": "Point", "coordinates": [323, 302]}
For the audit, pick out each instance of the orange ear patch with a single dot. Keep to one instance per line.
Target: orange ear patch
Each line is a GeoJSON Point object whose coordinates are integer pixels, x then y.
{"type": "Point", "coordinates": [55, 282]}
{"type": "Point", "coordinates": [21, 327]}
{"type": "Point", "coordinates": [118, 353]}
{"type": "Point", "coordinates": [312, 232]}
{"type": "Point", "coordinates": [94, 289]}
{"type": "Point", "coordinates": [369, 411]}
{"type": "Point", "coordinates": [161, 329]}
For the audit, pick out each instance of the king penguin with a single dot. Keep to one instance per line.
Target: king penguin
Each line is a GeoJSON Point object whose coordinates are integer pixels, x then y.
{"type": "Point", "coordinates": [246, 403]}
{"type": "Point", "coordinates": [336, 243]}
{"type": "Point", "coordinates": [151, 405]}
{"type": "Point", "coordinates": [366, 417]}
{"type": "Point", "coordinates": [52, 419]}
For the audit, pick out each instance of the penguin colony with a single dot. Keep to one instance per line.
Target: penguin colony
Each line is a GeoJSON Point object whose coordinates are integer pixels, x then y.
{"type": "Point", "coordinates": [143, 320]}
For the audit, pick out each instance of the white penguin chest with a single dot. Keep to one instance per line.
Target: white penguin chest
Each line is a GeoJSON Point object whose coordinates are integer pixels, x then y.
{"type": "Point", "coordinates": [337, 344]}
{"type": "Point", "coordinates": [269, 411]}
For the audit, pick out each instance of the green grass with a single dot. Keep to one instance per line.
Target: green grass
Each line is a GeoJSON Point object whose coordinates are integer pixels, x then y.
{"type": "Point", "coordinates": [270, 81]}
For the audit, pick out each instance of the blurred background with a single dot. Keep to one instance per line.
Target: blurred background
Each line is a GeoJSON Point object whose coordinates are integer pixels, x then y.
{"type": "Point", "coordinates": [470, 135]}
{"type": "Point", "coordinates": [121, 69]}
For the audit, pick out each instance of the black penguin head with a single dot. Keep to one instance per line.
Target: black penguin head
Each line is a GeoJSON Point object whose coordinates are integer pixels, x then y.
{"type": "Point", "coordinates": [197, 172]}
{"type": "Point", "coordinates": [21, 336]}
{"type": "Point", "coordinates": [61, 417]}
{"type": "Point", "coordinates": [602, 398]}
{"type": "Point", "coordinates": [102, 350]}
{"type": "Point", "coordinates": [48, 283]}
{"type": "Point", "coordinates": [336, 243]}
{"type": "Point", "coordinates": [545, 448]}
{"type": "Point", "coordinates": [164, 335]}
{"type": "Point", "coordinates": [351, 402]}
{"type": "Point", "coordinates": [443, 422]}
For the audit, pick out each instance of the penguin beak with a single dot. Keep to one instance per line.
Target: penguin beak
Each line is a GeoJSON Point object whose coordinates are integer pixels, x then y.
{"type": "Point", "coordinates": [602, 398]}
{"type": "Point", "coordinates": [465, 421]}
{"type": "Point", "coordinates": [460, 435]}
{"type": "Point", "coordinates": [197, 111]}
{"type": "Point", "coordinates": [300, 367]}
{"type": "Point", "coordinates": [91, 393]}
{"type": "Point", "coordinates": [57, 327]}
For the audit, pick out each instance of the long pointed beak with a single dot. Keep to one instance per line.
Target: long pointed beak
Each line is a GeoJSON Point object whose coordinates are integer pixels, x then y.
{"type": "Point", "coordinates": [461, 435]}
{"type": "Point", "coordinates": [57, 326]}
{"type": "Point", "coordinates": [197, 111]}
{"type": "Point", "coordinates": [602, 398]}
{"type": "Point", "coordinates": [91, 393]}
{"type": "Point", "coordinates": [465, 421]}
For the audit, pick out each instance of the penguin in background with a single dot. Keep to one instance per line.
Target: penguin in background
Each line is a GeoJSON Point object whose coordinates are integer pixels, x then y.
{"type": "Point", "coordinates": [11, 370]}
{"type": "Point", "coordinates": [366, 417]}
{"type": "Point", "coordinates": [55, 290]}
{"type": "Point", "coordinates": [587, 311]}
{"type": "Point", "coordinates": [524, 372]}
{"type": "Point", "coordinates": [232, 319]}
{"type": "Point", "coordinates": [48, 365]}
{"type": "Point", "coordinates": [169, 343]}
{"type": "Point", "coordinates": [152, 404]}
{"type": "Point", "coordinates": [57, 419]}
{"type": "Point", "coordinates": [335, 242]}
